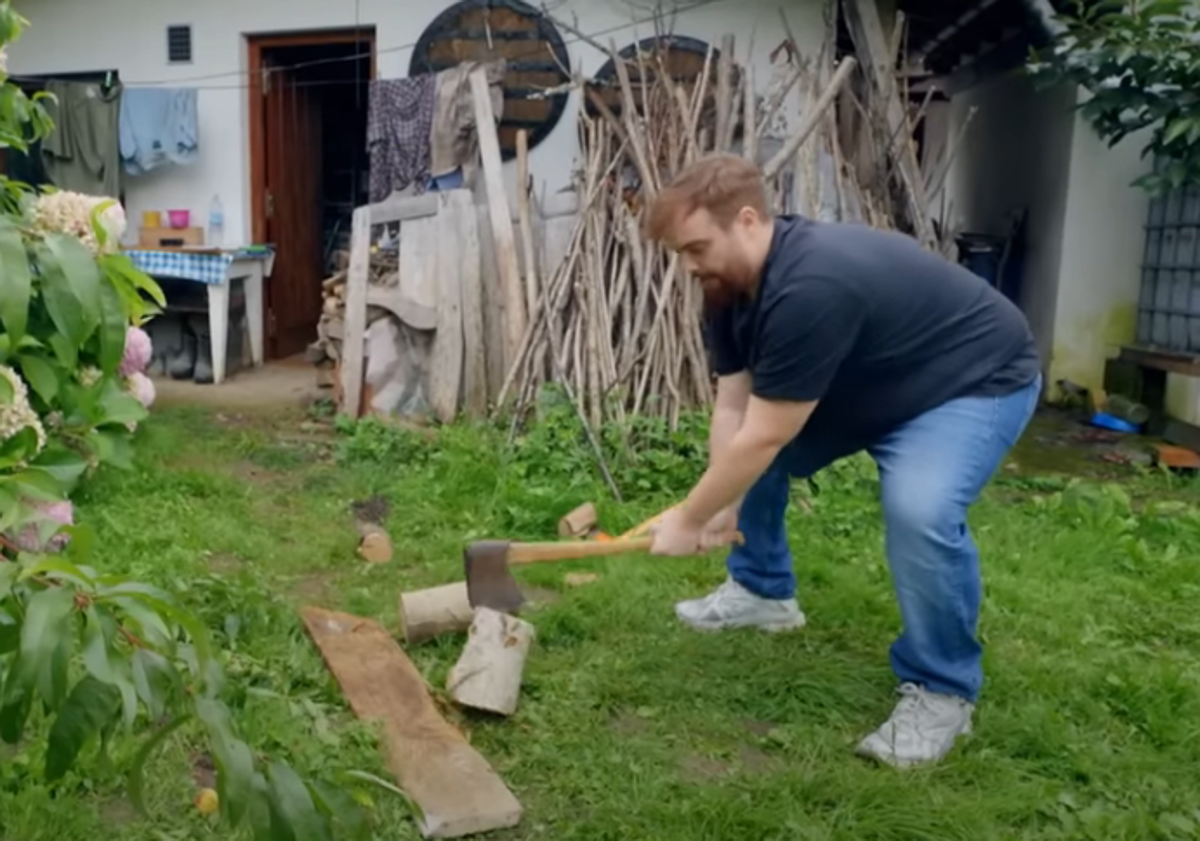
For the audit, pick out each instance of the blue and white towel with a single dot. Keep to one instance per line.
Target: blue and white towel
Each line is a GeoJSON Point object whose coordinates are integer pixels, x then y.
{"type": "Point", "coordinates": [158, 126]}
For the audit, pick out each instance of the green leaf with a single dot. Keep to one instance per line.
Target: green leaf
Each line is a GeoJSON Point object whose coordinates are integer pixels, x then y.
{"type": "Point", "coordinates": [79, 267]}
{"type": "Point", "coordinates": [112, 447]}
{"type": "Point", "coordinates": [113, 324]}
{"type": "Point", "coordinates": [66, 350]}
{"type": "Point", "coordinates": [14, 712]}
{"type": "Point", "coordinates": [96, 652]}
{"type": "Point", "coordinates": [151, 626]}
{"type": "Point", "coordinates": [17, 286]}
{"type": "Point", "coordinates": [154, 679]}
{"type": "Point", "coordinates": [90, 706]}
{"type": "Point", "coordinates": [164, 605]}
{"type": "Point", "coordinates": [46, 639]}
{"type": "Point", "coordinates": [18, 449]}
{"type": "Point", "coordinates": [65, 465]}
{"type": "Point", "coordinates": [65, 309]}
{"type": "Point", "coordinates": [292, 805]}
{"type": "Point", "coordinates": [137, 773]}
{"type": "Point", "coordinates": [341, 807]}
{"type": "Point", "coordinates": [60, 569]}
{"type": "Point", "coordinates": [235, 764]}
{"type": "Point", "coordinates": [37, 483]}
{"type": "Point", "coordinates": [10, 631]}
{"type": "Point", "coordinates": [1176, 129]}
{"type": "Point", "coordinates": [39, 375]}
{"type": "Point", "coordinates": [119, 406]}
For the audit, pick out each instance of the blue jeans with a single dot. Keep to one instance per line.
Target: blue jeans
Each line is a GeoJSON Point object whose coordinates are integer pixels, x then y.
{"type": "Point", "coordinates": [931, 469]}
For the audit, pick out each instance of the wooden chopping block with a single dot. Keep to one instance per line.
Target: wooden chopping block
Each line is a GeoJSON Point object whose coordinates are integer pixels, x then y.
{"type": "Point", "coordinates": [425, 614]}
{"type": "Point", "coordinates": [488, 674]}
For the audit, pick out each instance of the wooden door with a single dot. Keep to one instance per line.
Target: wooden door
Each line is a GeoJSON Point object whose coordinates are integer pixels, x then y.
{"type": "Point", "coordinates": [291, 120]}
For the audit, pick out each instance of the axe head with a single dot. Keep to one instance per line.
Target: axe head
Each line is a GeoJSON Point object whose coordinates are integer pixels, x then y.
{"type": "Point", "coordinates": [489, 581]}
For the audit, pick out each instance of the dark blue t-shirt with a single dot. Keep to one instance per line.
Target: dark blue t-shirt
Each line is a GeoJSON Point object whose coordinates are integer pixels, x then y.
{"type": "Point", "coordinates": [877, 328]}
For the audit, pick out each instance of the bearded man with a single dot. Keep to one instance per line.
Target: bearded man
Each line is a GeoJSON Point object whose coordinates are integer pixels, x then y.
{"type": "Point", "coordinates": [829, 340]}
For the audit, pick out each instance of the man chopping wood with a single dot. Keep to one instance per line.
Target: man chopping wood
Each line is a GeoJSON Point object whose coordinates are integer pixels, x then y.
{"type": "Point", "coordinates": [831, 339]}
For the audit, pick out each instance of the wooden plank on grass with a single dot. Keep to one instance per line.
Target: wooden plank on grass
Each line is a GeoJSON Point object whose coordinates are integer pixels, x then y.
{"type": "Point", "coordinates": [456, 790]}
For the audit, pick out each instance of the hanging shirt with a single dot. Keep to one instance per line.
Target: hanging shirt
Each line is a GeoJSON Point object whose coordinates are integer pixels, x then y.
{"type": "Point", "coordinates": [455, 140]}
{"type": "Point", "coordinates": [157, 127]}
{"type": "Point", "coordinates": [81, 153]}
{"type": "Point", "coordinates": [399, 120]}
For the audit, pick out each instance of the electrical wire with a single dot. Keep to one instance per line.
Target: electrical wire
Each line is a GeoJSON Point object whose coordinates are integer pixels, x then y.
{"type": "Point", "coordinates": [684, 8]}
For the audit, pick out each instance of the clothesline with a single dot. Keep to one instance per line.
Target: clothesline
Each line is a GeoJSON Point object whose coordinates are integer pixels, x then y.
{"type": "Point", "coordinates": [650, 18]}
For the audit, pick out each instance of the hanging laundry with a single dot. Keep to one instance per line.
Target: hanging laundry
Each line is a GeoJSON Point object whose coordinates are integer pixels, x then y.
{"type": "Point", "coordinates": [158, 126]}
{"type": "Point", "coordinates": [399, 122]}
{"type": "Point", "coordinates": [455, 142]}
{"type": "Point", "coordinates": [81, 154]}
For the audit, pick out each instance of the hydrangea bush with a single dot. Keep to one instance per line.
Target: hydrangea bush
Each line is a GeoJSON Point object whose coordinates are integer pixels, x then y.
{"type": "Point", "coordinates": [87, 656]}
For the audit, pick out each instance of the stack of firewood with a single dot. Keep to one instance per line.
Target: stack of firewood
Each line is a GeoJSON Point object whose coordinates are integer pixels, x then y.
{"type": "Point", "coordinates": [618, 324]}
{"type": "Point", "coordinates": [326, 351]}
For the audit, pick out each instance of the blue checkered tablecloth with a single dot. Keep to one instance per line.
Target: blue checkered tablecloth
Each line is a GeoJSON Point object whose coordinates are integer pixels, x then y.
{"type": "Point", "coordinates": [208, 268]}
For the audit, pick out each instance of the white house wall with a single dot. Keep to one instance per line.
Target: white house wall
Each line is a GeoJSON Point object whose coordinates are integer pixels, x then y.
{"type": "Point", "coordinates": [1015, 155]}
{"type": "Point", "coordinates": [130, 36]}
{"type": "Point", "coordinates": [1103, 242]}
{"type": "Point", "coordinates": [1028, 147]}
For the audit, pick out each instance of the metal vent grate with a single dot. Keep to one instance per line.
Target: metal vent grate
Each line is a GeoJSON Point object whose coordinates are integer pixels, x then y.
{"type": "Point", "coordinates": [179, 44]}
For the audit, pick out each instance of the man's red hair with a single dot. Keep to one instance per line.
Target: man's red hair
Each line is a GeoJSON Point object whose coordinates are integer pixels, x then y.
{"type": "Point", "coordinates": [722, 184]}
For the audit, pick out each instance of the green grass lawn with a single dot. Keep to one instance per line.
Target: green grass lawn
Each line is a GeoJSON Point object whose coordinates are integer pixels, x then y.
{"type": "Point", "coordinates": [630, 726]}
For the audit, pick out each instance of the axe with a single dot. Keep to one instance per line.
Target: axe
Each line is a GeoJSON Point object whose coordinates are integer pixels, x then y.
{"type": "Point", "coordinates": [486, 564]}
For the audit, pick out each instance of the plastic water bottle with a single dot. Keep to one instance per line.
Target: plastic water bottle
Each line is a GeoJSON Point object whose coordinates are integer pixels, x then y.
{"type": "Point", "coordinates": [216, 223]}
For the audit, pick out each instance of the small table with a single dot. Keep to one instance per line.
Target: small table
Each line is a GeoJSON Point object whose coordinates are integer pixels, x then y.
{"type": "Point", "coordinates": [217, 268]}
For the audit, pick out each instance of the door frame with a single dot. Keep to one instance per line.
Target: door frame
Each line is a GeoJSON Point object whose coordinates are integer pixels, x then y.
{"type": "Point", "coordinates": [256, 45]}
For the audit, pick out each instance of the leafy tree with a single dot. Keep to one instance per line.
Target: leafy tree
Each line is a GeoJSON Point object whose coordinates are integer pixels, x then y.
{"type": "Point", "coordinates": [87, 656]}
{"type": "Point", "coordinates": [1140, 61]}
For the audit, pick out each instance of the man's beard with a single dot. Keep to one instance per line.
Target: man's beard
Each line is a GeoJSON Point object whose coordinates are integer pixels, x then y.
{"type": "Point", "coordinates": [720, 293]}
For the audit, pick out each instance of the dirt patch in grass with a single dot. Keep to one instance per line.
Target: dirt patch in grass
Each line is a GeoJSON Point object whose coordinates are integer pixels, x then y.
{"type": "Point", "coordinates": [756, 761]}
{"type": "Point", "coordinates": [758, 728]}
{"type": "Point", "coordinates": [204, 771]}
{"type": "Point", "coordinates": [628, 724]}
{"type": "Point", "coordinates": [703, 768]}
{"type": "Point", "coordinates": [224, 563]}
{"type": "Point", "coordinates": [314, 588]}
{"type": "Point", "coordinates": [118, 812]}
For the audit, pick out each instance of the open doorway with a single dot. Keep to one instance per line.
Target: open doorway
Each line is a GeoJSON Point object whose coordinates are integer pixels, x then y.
{"type": "Point", "coordinates": [308, 166]}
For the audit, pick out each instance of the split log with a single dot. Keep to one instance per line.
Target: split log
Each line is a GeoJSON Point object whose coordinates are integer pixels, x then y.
{"type": "Point", "coordinates": [578, 522]}
{"type": "Point", "coordinates": [375, 547]}
{"type": "Point", "coordinates": [455, 789]}
{"type": "Point", "coordinates": [488, 674]}
{"type": "Point", "coordinates": [425, 614]}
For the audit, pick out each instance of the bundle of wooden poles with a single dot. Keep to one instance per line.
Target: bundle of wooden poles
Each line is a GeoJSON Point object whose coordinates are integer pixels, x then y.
{"type": "Point", "coordinates": [617, 322]}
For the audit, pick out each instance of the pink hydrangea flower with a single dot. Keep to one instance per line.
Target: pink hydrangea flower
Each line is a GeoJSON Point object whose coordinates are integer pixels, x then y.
{"type": "Point", "coordinates": [138, 350]}
{"type": "Point", "coordinates": [141, 387]}
{"type": "Point", "coordinates": [29, 538]}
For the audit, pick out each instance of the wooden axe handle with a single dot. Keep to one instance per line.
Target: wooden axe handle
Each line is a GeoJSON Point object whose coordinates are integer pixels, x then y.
{"type": "Point", "coordinates": [644, 526]}
{"type": "Point", "coordinates": [565, 550]}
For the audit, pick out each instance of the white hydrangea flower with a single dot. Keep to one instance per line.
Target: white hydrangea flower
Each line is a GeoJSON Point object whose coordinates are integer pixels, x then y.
{"type": "Point", "coordinates": [71, 213]}
{"type": "Point", "coordinates": [16, 414]}
{"type": "Point", "coordinates": [88, 375]}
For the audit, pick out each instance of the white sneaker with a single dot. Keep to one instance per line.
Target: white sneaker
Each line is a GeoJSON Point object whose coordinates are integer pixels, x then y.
{"type": "Point", "coordinates": [733, 606]}
{"type": "Point", "coordinates": [922, 728]}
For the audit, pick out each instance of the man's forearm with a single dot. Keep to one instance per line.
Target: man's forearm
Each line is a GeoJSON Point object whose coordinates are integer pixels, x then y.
{"type": "Point", "coordinates": [725, 424]}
